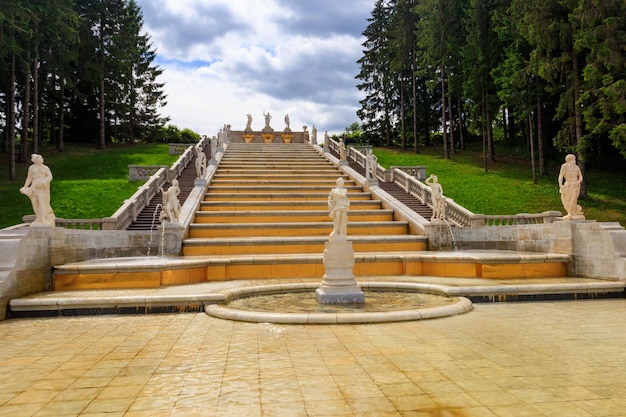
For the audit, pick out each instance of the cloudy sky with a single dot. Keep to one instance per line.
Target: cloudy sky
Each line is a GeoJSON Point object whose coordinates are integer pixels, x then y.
{"type": "Point", "coordinates": [223, 59]}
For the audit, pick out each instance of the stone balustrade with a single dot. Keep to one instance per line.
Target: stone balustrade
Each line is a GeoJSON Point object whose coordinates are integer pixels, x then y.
{"type": "Point", "coordinates": [410, 179]}
{"type": "Point", "coordinates": [178, 148]}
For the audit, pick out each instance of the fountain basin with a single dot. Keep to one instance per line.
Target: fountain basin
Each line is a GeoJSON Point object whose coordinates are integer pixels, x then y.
{"type": "Point", "coordinates": [334, 314]}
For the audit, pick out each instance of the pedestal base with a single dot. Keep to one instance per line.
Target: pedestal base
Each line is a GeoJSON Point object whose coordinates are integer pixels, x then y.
{"type": "Point", "coordinates": [267, 137]}
{"type": "Point", "coordinates": [339, 285]}
{"type": "Point", "coordinates": [323, 297]}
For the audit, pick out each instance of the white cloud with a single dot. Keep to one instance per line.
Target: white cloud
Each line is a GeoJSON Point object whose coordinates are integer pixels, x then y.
{"type": "Point", "coordinates": [223, 59]}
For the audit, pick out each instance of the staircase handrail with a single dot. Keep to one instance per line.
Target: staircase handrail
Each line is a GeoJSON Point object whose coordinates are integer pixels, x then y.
{"type": "Point", "coordinates": [131, 207]}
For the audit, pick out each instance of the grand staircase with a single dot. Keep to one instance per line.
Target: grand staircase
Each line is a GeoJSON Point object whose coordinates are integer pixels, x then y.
{"type": "Point", "coordinates": [265, 214]}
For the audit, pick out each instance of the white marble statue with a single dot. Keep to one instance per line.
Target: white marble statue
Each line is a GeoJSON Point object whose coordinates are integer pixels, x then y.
{"type": "Point", "coordinates": [314, 135]}
{"type": "Point", "coordinates": [342, 150]}
{"type": "Point", "coordinates": [37, 188]}
{"type": "Point", "coordinates": [249, 123]}
{"type": "Point", "coordinates": [200, 162]}
{"type": "Point", "coordinates": [326, 140]}
{"type": "Point", "coordinates": [338, 205]}
{"type": "Point", "coordinates": [171, 205]}
{"type": "Point", "coordinates": [371, 165]}
{"type": "Point", "coordinates": [287, 122]}
{"type": "Point", "coordinates": [570, 179]}
{"type": "Point", "coordinates": [437, 198]}
{"type": "Point", "coordinates": [268, 117]}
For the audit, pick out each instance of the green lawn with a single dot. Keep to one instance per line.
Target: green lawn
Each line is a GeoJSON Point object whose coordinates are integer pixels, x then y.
{"type": "Point", "coordinates": [507, 186]}
{"type": "Point", "coordinates": [87, 183]}
{"type": "Point", "coordinates": [91, 184]}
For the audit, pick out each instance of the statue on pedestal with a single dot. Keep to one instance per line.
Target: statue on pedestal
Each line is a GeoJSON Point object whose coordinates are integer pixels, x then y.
{"type": "Point", "coordinates": [37, 188]}
{"type": "Point", "coordinates": [338, 205]}
{"type": "Point", "coordinates": [570, 179]}
{"type": "Point", "coordinates": [437, 198]}
{"type": "Point", "coordinates": [287, 122]}
{"type": "Point", "coordinates": [371, 165]}
{"type": "Point", "coordinates": [200, 162]}
{"type": "Point", "coordinates": [339, 285]}
{"type": "Point", "coordinates": [171, 205]}
{"type": "Point", "coordinates": [268, 117]}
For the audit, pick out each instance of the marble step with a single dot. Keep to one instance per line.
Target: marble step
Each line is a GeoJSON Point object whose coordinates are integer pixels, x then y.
{"type": "Point", "coordinates": [379, 228]}
{"type": "Point", "coordinates": [279, 181]}
{"type": "Point", "coordinates": [279, 196]}
{"type": "Point", "coordinates": [321, 204]}
{"type": "Point", "coordinates": [297, 244]}
{"type": "Point", "coordinates": [273, 189]}
{"type": "Point", "coordinates": [273, 216]}
{"type": "Point", "coordinates": [155, 272]}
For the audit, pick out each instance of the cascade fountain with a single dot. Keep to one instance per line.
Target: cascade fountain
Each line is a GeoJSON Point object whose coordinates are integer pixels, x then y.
{"type": "Point", "coordinates": [338, 298]}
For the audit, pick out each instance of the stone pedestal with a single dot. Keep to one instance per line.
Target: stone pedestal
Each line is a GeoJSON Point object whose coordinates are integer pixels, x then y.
{"type": "Point", "coordinates": [287, 137]}
{"type": "Point", "coordinates": [267, 137]}
{"type": "Point", "coordinates": [247, 137]}
{"type": "Point", "coordinates": [339, 285]}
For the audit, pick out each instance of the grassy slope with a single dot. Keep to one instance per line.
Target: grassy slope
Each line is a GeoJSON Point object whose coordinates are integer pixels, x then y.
{"type": "Point", "coordinates": [507, 187]}
{"type": "Point", "coordinates": [87, 183]}
{"type": "Point", "coordinates": [91, 184]}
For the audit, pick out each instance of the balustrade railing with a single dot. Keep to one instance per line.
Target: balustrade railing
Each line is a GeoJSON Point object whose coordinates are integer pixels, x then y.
{"type": "Point", "coordinates": [410, 179]}
{"type": "Point", "coordinates": [157, 176]}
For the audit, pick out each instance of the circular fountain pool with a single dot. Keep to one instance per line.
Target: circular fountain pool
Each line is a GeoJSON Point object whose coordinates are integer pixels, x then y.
{"type": "Point", "coordinates": [296, 303]}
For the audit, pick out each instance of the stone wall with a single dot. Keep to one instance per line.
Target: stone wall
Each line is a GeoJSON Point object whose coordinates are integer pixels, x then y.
{"type": "Point", "coordinates": [25, 260]}
{"type": "Point", "coordinates": [597, 249]}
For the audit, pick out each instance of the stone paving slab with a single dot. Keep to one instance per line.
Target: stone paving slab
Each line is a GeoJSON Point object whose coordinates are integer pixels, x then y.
{"type": "Point", "coordinates": [500, 360]}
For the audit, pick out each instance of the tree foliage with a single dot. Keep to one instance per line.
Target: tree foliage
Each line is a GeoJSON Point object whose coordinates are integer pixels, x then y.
{"type": "Point", "coordinates": [527, 73]}
{"type": "Point", "coordinates": [77, 70]}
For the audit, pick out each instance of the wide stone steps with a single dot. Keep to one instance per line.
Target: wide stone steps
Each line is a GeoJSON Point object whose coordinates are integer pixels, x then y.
{"type": "Point", "coordinates": [279, 196]}
{"type": "Point", "coordinates": [274, 205]}
{"type": "Point", "coordinates": [273, 200]}
{"type": "Point", "coordinates": [278, 189]}
{"type": "Point", "coordinates": [278, 181]}
{"type": "Point", "coordinates": [263, 216]}
{"type": "Point", "coordinates": [297, 244]}
{"type": "Point", "coordinates": [294, 229]}
{"type": "Point", "coordinates": [272, 223]}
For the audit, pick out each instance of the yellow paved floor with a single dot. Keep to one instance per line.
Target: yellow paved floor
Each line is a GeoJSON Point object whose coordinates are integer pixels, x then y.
{"type": "Point", "coordinates": [563, 358]}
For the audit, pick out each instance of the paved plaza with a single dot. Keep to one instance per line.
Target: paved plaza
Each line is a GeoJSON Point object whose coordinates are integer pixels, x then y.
{"type": "Point", "coordinates": [561, 358]}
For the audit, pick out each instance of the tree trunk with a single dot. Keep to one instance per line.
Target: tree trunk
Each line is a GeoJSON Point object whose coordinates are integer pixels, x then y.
{"type": "Point", "coordinates": [532, 147]}
{"type": "Point", "coordinates": [461, 121]}
{"type": "Point", "coordinates": [414, 87]}
{"type": "Point", "coordinates": [490, 149]}
{"type": "Point", "coordinates": [543, 171]}
{"type": "Point", "coordinates": [578, 122]}
{"type": "Point", "coordinates": [484, 128]}
{"type": "Point", "coordinates": [11, 119]}
{"type": "Point", "coordinates": [60, 141]}
{"type": "Point", "coordinates": [101, 143]}
{"type": "Point", "coordinates": [402, 126]}
{"type": "Point", "coordinates": [451, 121]}
{"type": "Point", "coordinates": [36, 127]}
{"type": "Point", "coordinates": [26, 118]}
{"type": "Point", "coordinates": [446, 152]}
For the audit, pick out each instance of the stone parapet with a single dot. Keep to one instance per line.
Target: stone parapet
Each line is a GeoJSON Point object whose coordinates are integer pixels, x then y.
{"type": "Point", "coordinates": [242, 136]}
